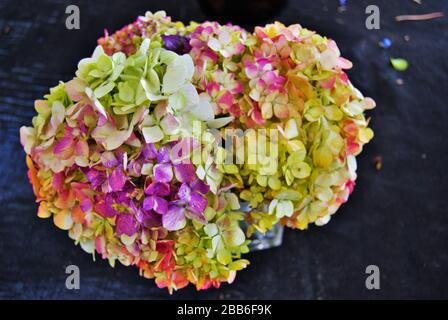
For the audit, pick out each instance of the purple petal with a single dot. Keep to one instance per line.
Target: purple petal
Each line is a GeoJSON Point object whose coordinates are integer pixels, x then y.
{"type": "Point", "coordinates": [163, 155]}
{"type": "Point", "coordinates": [157, 204]}
{"type": "Point", "coordinates": [109, 160]}
{"type": "Point", "coordinates": [149, 151]}
{"type": "Point", "coordinates": [122, 197]}
{"type": "Point", "coordinates": [147, 219]}
{"type": "Point", "coordinates": [198, 216]}
{"type": "Point", "coordinates": [126, 225]}
{"type": "Point", "coordinates": [138, 213]}
{"type": "Point", "coordinates": [200, 186]}
{"type": "Point", "coordinates": [163, 172]}
{"type": "Point", "coordinates": [160, 205]}
{"type": "Point", "coordinates": [174, 219]}
{"type": "Point", "coordinates": [135, 168]}
{"type": "Point", "coordinates": [117, 179]}
{"type": "Point", "coordinates": [95, 177]}
{"type": "Point", "coordinates": [184, 192]}
{"type": "Point", "coordinates": [151, 219]}
{"type": "Point", "coordinates": [185, 172]}
{"type": "Point", "coordinates": [176, 43]}
{"type": "Point", "coordinates": [104, 207]}
{"type": "Point", "coordinates": [158, 189]}
{"type": "Point", "coordinates": [86, 205]}
{"type": "Point", "coordinates": [148, 203]}
{"type": "Point", "coordinates": [198, 202]}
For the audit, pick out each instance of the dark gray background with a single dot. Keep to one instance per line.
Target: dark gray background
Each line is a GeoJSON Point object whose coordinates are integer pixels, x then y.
{"type": "Point", "coordinates": [397, 217]}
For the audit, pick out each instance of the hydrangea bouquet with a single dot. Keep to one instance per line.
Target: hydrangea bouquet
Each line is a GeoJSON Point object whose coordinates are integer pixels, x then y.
{"type": "Point", "coordinates": [132, 155]}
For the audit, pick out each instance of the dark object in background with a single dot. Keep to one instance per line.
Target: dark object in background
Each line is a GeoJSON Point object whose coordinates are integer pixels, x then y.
{"type": "Point", "coordinates": [176, 43]}
{"type": "Point", "coordinates": [242, 12]}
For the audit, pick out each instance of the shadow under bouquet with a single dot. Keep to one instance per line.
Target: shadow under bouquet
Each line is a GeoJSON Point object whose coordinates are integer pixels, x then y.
{"type": "Point", "coordinates": [173, 145]}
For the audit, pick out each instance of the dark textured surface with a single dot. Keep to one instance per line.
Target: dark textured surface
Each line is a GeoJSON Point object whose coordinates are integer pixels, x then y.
{"type": "Point", "coordinates": [397, 217]}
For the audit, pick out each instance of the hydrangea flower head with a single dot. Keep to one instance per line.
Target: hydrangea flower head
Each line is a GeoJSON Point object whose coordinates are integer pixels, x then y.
{"type": "Point", "coordinates": [127, 156]}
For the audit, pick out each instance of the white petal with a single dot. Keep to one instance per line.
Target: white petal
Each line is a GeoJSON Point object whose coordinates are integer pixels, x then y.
{"type": "Point", "coordinates": [203, 110]}
{"type": "Point", "coordinates": [224, 37]}
{"type": "Point", "coordinates": [220, 122]}
{"type": "Point", "coordinates": [144, 46]}
{"type": "Point", "coordinates": [152, 134]}
{"type": "Point", "coordinates": [190, 93]}
{"type": "Point", "coordinates": [214, 44]}
{"type": "Point", "coordinates": [323, 220]}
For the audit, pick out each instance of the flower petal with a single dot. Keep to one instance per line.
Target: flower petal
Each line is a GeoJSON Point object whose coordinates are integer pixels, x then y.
{"type": "Point", "coordinates": [117, 179]}
{"type": "Point", "coordinates": [198, 202]}
{"type": "Point", "coordinates": [184, 192]}
{"type": "Point", "coordinates": [163, 172]}
{"type": "Point", "coordinates": [158, 189]}
{"type": "Point", "coordinates": [152, 134]}
{"type": "Point", "coordinates": [157, 204]}
{"type": "Point", "coordinates": [126, 225]}
{"type": "Point", "coordinates": [185, 172]}
{"type": "Point", "coordinates": [27, 138]}
{"type": "Point", "coordinates": [174, 219]}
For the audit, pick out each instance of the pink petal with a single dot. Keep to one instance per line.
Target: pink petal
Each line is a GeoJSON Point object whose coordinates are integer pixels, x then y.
{"type": "Point", "coordinates": [226, 99]}
{"type": "Point", "coordinates": [117, 179]}
{"type": "Point", "coordinates": [344, 63]}
{"type": "Point", "coordinates": [328, 84]}
{"type": "Point", "coordinates": [125, 224]}
{"type": "Point", "coordinates": [251, 70]}
{"type": "Point", "coordinates": [344, 78]}
{"type": "Point", "coordinates": [86, 205]}
{"type": "Point", "coordinates": [82, 148]}
{"type": "Point", "coordinates": [185, 172]}
{"type": "Point", "coordinates": [256, 116]}
{"type": "Point", "coordinates": [100, 244]}
{"type": "Point", "coordinates": [58, 182]}
{"type": "Point", "coordinates": [95, 177]}
{"type": "Point", "coordinates": [237, 88]}
{"type": "Point", "coordinates": [169, 124]}
{"type": "Point", "coordinates": [64, 147]}
{"type": "Point", "coordinates": [105, 210]}
{"type": "Point", "coordinates": [212, 88]}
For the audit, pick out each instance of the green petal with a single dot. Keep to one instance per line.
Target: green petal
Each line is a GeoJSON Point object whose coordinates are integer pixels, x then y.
{"type": "Point", "coordinates": [211, 229]}
{"type": "Point", "coordinates": [224, 256]}
{"type": "Point", "coordinates": [152, 134]}
{"type": "Point", "coordinates": [234, 237]}
{"type": "Point", "coordinates": [103, 90]}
